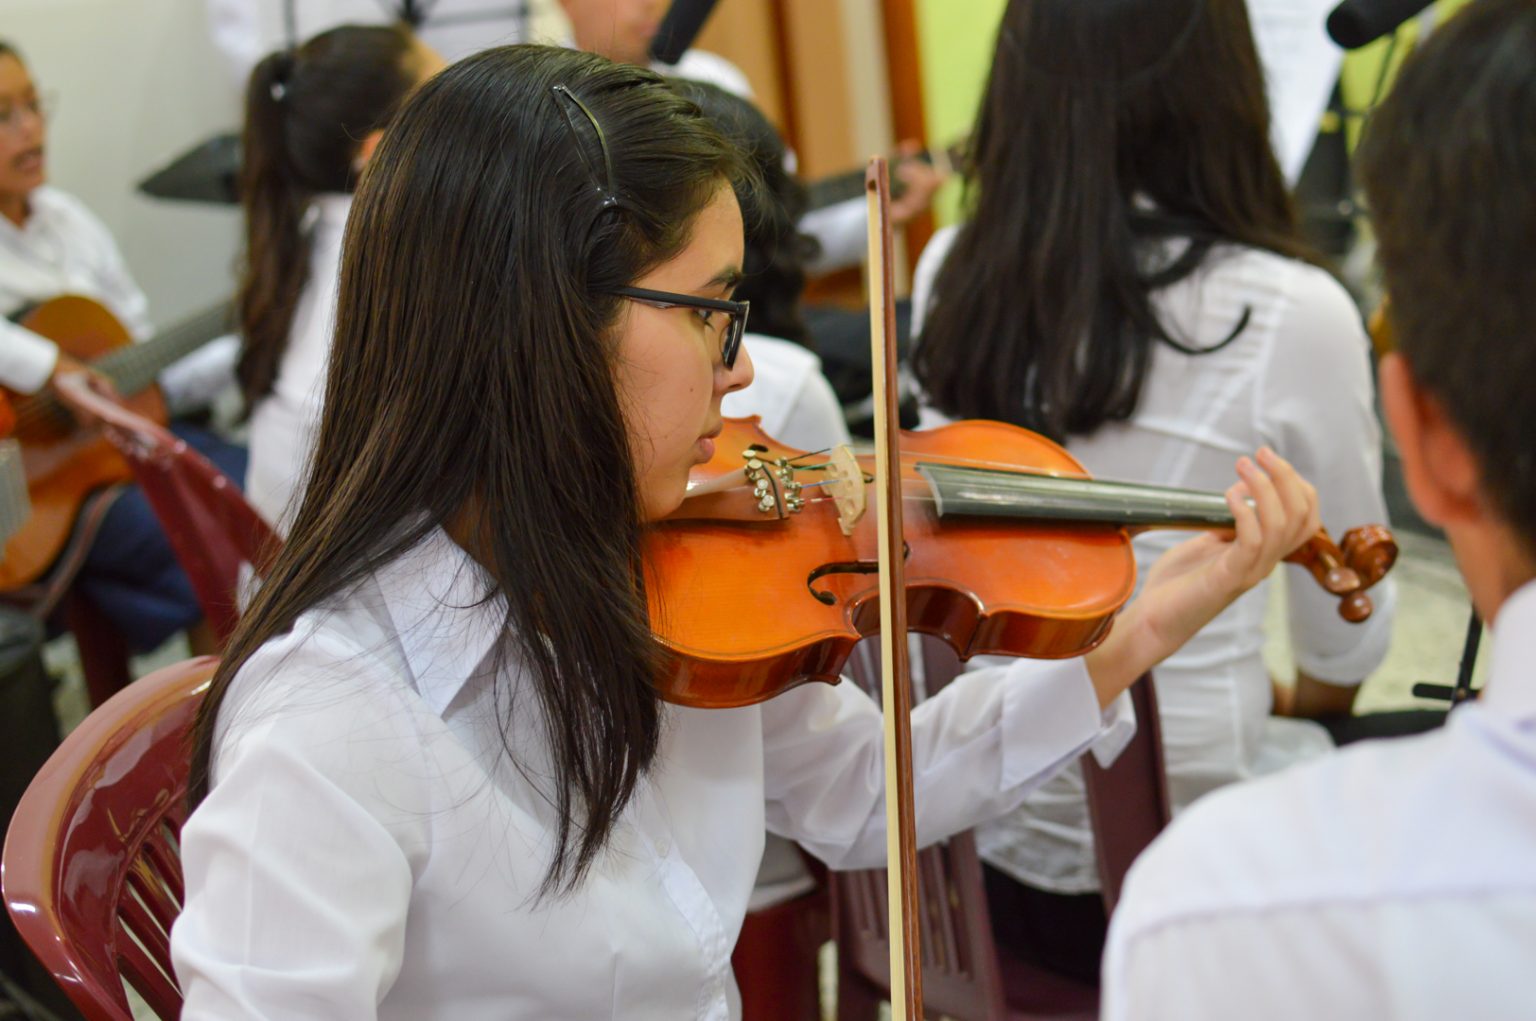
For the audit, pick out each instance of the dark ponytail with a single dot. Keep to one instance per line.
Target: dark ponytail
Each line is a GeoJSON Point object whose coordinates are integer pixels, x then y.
{"type": "Point", "coordinates": [306, 110]}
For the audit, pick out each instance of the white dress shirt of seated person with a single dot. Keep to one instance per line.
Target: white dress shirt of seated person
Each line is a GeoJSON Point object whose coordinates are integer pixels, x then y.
{"type": "Point", "coordinates": [1397, 879]}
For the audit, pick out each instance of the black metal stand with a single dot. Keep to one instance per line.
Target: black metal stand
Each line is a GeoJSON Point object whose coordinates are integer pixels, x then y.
{"type": "Point", "coordinates": [1462, 690]}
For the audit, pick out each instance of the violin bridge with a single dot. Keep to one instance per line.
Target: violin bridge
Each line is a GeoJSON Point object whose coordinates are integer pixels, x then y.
{"type": "Point", "coordinates": [846, 487]}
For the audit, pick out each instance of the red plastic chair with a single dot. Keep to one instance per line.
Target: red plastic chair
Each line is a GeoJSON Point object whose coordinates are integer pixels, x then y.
{"type": "Point", "coordinates": [777, 958]}
{"type": "Point", "coordinates": [210, 526]}
{"type": "Point", "coordinates": [964, 976]}
{"type": "Point", "coordinates": [92, 868]}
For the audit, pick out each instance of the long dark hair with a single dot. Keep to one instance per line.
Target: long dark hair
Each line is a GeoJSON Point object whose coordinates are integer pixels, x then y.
{"type": "Point", "coordinates": [471, 387]}
{"type": "Point", "coordinates": [306, 110]}
{"type": "Point", "coordinates": [776, 251]}
{"type": "Point", "coordinates": [1105, 128]}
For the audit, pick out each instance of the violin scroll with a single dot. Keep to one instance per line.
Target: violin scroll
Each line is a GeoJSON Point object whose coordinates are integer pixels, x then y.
{"type": "Point", "coordinates": [1370, 551]}
{"type": "Point", "coordinates": [1366, 555]}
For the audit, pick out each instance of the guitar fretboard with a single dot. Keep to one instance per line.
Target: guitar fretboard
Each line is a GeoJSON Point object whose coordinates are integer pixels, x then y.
{"type": "Point", "coordinates": [134, 367]}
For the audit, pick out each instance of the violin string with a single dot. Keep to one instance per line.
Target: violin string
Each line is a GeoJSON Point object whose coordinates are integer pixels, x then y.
{"type": "Point", "coordinates": [947, 459]}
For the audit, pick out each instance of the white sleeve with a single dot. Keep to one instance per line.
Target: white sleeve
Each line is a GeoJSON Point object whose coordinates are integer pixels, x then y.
{"type": "Point", "coordinates": [843, 233]}
{"type": "Point", "coordinates": [928, 266]}
{"type": "Point", "coordinates": [978, 748]}
{"type": "Point", "coordinates": [299, 863]}
{"type": "Point", "coordinates": [26, 360]}
{"type": "Point", "coordinates": [192, 382]}
{"type": "Point", "coordinates": [1316, 406]}
{"type": "Point", "coordinates": [815, 419]}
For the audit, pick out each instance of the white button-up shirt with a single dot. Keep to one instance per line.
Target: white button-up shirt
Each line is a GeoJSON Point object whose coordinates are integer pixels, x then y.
{"type": "Point", "coordinates": [61, 249]}
{"type": "Point", "coordinates": [1298, 378]}
{"type": "Point", "coordinates": [368, 849]}
{"type": "Point", "coordinates": [285, 422]}
{"type": "Point", "coordinates": [1396, 879]}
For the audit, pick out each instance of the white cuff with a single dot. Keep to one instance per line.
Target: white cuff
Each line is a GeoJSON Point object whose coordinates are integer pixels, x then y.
{"type": "Point", "coordinates": [1050, 716]}
{"type": "Point", "coordinates": [27, 361]}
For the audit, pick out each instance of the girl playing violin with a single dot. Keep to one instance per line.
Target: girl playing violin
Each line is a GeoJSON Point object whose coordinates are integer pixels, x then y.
{"type": "Point", "coordinates": [1130, 280]}
{"type": "Point", "coordinates": [433, 776]}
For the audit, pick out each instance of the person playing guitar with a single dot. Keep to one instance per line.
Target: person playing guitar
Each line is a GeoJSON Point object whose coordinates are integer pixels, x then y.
{"type": "Point", "coordinates": [51, 244]}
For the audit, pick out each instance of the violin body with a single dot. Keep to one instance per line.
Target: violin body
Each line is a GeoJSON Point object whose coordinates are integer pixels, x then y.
{"type": "Point", "coordinates": [734, 601]}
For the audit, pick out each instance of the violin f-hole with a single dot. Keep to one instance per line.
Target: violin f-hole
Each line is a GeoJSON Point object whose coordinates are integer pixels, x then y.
{"type": "Point", "coordinates": [846, 567]}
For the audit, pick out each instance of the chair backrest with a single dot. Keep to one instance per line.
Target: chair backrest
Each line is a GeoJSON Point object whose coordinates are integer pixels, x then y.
{"type": "Point", "coordinates": [1128, 801]}
{"type": "Point", "coordinates": [210, 526]}
{"type": "Point", "coordinates": [961, 977]}
{"type": "Point", "coordinates": [960, 974]}
{"type": "Point", "coordinates": [92, 866]}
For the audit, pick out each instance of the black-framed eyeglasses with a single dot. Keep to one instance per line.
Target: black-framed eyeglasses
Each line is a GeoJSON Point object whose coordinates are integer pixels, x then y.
{"type": "Point", "coordinates": [600, 173]}
{"type": "Point", "coordinates": [734, 311]}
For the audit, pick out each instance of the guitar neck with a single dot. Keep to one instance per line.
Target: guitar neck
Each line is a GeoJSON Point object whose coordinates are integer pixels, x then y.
{"type": "Point", "coordinates": [133, 367]}
{"type": "Point", "coordinates": [830, 191]}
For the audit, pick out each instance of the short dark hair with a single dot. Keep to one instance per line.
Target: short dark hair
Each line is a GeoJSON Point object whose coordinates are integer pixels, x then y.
{"type": "Point", "coordinates": [7, 49]}
{"type": "Point", "coordinates": [1446, 163]}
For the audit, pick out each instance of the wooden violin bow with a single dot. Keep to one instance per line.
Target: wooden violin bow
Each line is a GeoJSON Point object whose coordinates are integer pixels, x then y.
{"type": "Point", "coordinates": [895, 676]}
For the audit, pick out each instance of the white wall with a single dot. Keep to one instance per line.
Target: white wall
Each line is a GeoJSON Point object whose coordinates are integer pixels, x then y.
{"type": "Point", "coordinates": [136, 82]}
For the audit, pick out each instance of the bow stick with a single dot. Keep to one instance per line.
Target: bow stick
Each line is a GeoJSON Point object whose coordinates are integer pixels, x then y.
{"type": "Point", "coordinates": [895, 677]}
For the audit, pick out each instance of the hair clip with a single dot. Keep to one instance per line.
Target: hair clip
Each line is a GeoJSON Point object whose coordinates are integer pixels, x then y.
{"type": "Point", "coordinates": [282, 69]}
{"type": "Point", "coordinates": [603, 184]}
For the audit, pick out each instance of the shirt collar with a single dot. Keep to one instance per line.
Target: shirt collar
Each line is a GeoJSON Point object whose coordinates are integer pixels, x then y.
{"type": "Point", "coordinates": [1511, 689]}
{"type": "Point", "coordinates": [40, 206]}
{"type": "Point", "coordinates": [436, 597]}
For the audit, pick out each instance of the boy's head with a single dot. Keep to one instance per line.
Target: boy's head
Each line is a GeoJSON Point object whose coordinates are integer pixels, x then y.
{"type": "Point", "coordinates": [1449, 166]}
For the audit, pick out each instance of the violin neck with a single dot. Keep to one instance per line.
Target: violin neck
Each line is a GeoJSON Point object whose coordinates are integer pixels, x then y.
{"type": "Point", "coordinates": [970, 491]}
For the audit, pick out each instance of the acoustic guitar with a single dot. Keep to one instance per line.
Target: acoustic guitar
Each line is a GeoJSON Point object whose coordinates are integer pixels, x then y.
{"type": "Point", "coordinates": [63, 462]}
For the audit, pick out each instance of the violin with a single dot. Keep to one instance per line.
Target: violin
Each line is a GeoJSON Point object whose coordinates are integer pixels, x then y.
{"type": "Point", "coordinates": [989, 536]}
{"type": "Point", "coordinates": [1010, 548]}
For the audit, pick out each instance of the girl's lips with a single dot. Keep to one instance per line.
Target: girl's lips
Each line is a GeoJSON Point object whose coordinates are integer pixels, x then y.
{"type": "Point", "coordinates": [30, 160]}
{"type": "Point", "coordinates": [706, 448]}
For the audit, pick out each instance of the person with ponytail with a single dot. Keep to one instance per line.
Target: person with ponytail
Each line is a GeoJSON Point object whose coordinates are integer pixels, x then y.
{"type": "Point", "coordinates": [313, 117]}
{"type": "Point", "coordinates": [433, 776]}
{"type": "Point", "coordinates": [1128, 279]}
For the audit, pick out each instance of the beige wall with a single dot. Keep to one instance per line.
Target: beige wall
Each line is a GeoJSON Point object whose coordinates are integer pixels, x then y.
{"type": "Point", "coordinates": [836, 81]}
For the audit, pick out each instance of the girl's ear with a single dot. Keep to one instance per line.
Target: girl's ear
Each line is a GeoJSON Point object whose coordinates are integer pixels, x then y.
{"type": "Point", "coordinates": [365, 149]}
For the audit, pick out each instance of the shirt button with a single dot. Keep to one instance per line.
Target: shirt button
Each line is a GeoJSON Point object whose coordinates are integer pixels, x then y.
{"type": "Point", "coordinates": [663, 846]}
